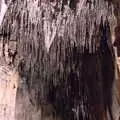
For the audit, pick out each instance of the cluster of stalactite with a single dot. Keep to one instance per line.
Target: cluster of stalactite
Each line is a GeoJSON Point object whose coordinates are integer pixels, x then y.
{"type": "Point", "coordinates": [30, 22]}
{"type": "Point", "coordinates": [65, 54]}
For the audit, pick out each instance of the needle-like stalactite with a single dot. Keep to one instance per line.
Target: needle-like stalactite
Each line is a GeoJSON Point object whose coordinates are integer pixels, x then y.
{"type": "Point", "coordinates": [65, 56]}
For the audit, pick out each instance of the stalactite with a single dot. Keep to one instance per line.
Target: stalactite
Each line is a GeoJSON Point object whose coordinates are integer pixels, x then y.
{"type": "Point", "coordinates": [63, 47]}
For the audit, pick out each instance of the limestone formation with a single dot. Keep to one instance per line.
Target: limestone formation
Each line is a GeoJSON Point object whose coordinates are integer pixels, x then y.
{"type": "Point", "coordinates": [62, 51]}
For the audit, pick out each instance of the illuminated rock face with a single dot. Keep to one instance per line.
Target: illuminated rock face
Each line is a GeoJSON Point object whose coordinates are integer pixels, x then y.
{"type": "Point", "coordinates": [9, 79]}
{"type": "Point", "coordinates": [8, 88]}
{"type": "Point", "coordinates": [3, 9]}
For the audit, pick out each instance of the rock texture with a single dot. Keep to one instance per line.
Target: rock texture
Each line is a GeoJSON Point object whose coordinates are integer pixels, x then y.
{"type": "Point", "coordinates": [8, 86]}
{"type": "Point", "coordinates": [63, 52]}
{"type": "Point", "coordinates": [9, 78]}
{"type": "Point", "coordinates": [3, 8]}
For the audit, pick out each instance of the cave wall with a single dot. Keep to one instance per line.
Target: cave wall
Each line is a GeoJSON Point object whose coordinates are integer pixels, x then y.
{"type": "Point", "coordinates": [64, 56]}
{"type": "Point", "coordinates": [8, 88]}
{"type": "Point", "coordinates": [9, 80]}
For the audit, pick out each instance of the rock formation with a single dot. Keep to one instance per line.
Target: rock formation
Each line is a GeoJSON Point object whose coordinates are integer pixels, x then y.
{"type": "Point", "coordinates": [63, 52]}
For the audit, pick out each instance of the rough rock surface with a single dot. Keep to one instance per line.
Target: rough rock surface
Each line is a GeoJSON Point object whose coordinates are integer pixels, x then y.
{"type": "Point", "coordinates": [64, 55]}
{"type": "Point", "coordinates": [8, 88]}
